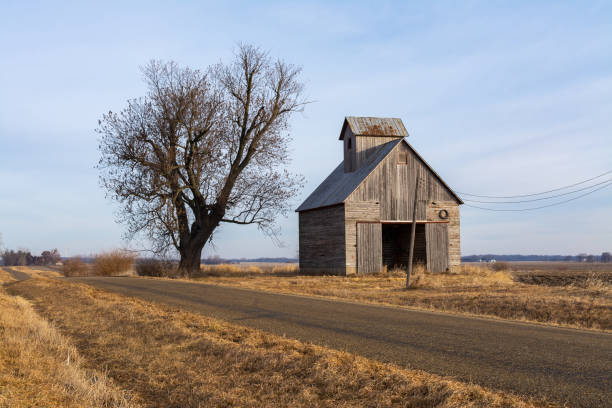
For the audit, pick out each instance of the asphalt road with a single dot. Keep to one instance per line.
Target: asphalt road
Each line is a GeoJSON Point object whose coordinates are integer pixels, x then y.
{"type": "Point", "coordinates": [564, 365]}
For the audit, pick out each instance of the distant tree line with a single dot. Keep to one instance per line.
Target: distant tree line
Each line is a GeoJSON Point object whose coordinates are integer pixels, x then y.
{"type": "Point", "coordinates": [604, 257]}
{"type": "Point", "coordinates": [24, 257]}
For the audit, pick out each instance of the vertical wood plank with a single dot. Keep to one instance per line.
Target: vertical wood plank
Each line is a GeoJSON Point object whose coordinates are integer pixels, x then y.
{"type": "Point", "coordinates": [369, 248]}
{"type": "Point", "coordinates": [436, 238]}
{"type": "Point", "coordinates": [322, 240]}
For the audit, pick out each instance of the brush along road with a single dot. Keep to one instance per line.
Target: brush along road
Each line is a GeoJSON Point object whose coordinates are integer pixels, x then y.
{"type": "Point", "coordinates": [563, 365]}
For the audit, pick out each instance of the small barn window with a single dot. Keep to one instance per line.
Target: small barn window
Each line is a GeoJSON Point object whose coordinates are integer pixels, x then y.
{"type": "Point", "coordinates": [349, 143]}
{"type": "Point", "coordinates": [402, 158]}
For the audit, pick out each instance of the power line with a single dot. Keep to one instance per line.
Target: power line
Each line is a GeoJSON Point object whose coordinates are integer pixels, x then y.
{"type": "Point", "coordinates": [540, 207]}
{"type": "Point", "coordinates": [537, 194]}
{"type": "Point", "coordinates": [540, 199]}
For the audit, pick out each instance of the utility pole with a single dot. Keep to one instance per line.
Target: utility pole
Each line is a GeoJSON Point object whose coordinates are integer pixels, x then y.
{"type": "Point", "coordinates": [413, 228]}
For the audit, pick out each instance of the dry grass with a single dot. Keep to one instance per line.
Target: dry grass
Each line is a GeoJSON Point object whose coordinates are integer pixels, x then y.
{"type": "Point", "coordinates": [249, 270]}
{"type": "Point", "coordinates": [38, 271]}
{"type": "Point", "coordinates": [473, 289]}
{"type": "Point", "coordinates": [171, 358]}
{"type": "Point", "coordinates": [465, 276]}
{"type": "Point", "coordinates": [40, 368]}
{"type": "Point", "coordinates": [5, 277]}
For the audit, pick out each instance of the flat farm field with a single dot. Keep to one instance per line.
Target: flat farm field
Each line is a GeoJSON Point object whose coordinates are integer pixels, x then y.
{"type": "Point", "coordinates": [561, 273]}
{"type": "Point", "coordinates": [567, 294]}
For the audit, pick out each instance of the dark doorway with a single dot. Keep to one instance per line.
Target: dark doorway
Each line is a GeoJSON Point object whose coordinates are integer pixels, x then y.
{"type": "Point", "coordinates": [396, 245]}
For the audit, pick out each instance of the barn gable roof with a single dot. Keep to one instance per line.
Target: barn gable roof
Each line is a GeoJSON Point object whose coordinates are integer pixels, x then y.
{"type": "Point", "coordinates": [369, 126]}
{"type": "Point", "coordinates": [337, 187]}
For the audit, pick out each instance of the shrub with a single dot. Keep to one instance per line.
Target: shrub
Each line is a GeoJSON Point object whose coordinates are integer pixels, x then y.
{"type": "Point", "coordinates": [74, 267]}
{"type": "Point", "coordinates": [155, 267]}
{"type": "Point", "coordinates": [500, 266]}
{"type": "Point", "coordinates": [113, 262]}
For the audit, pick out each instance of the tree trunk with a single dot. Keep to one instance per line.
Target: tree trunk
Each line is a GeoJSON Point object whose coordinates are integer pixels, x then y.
{"type": "Point", "coordinates": [190, 260]}
{"type": "Point", "coordinates": [191, 251]}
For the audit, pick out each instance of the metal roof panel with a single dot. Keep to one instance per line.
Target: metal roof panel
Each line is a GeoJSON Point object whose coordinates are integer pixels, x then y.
{"type": "Point", "coordinates": [370, 126]}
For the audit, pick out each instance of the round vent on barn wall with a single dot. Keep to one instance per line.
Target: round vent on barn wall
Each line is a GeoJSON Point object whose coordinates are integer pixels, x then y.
{"type": "Point", "coordinates": [443, 214]}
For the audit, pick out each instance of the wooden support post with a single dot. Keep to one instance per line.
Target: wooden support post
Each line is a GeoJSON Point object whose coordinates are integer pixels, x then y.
{"type": "Point", "coordinates": [413, 229]}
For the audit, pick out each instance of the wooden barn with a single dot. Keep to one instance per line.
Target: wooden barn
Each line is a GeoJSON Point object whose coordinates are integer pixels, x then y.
{"type": "Point", "coordinates": [359, 219]}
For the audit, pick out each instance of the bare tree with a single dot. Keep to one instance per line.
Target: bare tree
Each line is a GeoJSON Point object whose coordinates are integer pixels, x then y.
{"type": "Point", "coordinates": [201, 149]}
{"type": "Point", "coordinates": [50, 257]}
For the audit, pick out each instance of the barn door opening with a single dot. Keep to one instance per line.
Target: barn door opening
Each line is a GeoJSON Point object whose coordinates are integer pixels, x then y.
{"type": "Point", "coordinates": [369, 248]}
{"type": "Point", "coordinates": [437, 247]}
{"type": "Point", "coordinates": [396, 245]}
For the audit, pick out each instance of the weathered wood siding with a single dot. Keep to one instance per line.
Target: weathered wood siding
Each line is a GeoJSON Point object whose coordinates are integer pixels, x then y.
{"type": "Point", "coordinates": [358, 149]}
{"type": "Point", "coordinates": [366, 147]}
{"type": "Point", "coordinates": [393, 183]}
{"type": "Point", "coordinates": [436, 237]}
{"type": "Point", "coordinates": [350, 157]}
{"type": "Point", "coordinates": [322, 240]}
{"type": "Point", "coordinates": [369, 247]}
{"type": "Point", "coordinates": [354, 212]}
{"type": "Point", "coordinates": [453, 222]}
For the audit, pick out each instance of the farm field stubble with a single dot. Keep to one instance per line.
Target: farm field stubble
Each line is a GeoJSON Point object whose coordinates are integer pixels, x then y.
{"type": "Point", "coordinates": [567, 294]}
{"type": "Point", "coordinates": [165, 357]}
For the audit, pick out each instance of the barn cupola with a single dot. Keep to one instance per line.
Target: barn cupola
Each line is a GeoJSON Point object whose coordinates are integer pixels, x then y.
{"type": "Point", "coordinates": [362, 135]}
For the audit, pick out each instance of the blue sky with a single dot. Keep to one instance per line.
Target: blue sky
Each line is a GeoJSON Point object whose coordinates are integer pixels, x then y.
{"type": "Point", "coordinates": [499, 97]}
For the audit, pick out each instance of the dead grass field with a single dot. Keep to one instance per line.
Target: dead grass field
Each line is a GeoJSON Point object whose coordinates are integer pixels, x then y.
{"type": "Point", "coordinates": [582, 299]}
{"type": "Point", "coordinates": [170, 358]}
{"type": "Point", "coordinates": [5, 277]}
{"type": "Point", "coordinates": [39, 271]}
{"type": "Point", "coordinates": [41, 368]}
